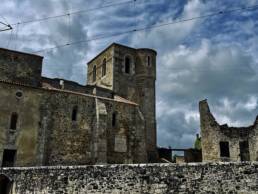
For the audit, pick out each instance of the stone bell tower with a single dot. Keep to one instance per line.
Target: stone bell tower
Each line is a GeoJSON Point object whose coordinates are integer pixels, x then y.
{"type": "Point", "coordinates": [131, 74]}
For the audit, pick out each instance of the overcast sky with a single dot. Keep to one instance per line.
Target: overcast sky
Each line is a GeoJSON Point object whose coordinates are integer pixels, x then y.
{"type": "Point", "coordinates": [214, 58]}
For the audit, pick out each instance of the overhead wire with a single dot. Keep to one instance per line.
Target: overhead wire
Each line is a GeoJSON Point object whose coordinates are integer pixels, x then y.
{"type": "Point", "coordinates": [103, 36]}
{"type": "Point", "coordinates": [74, 12]}
{"type": "Point", "coordinates": [8, 26]}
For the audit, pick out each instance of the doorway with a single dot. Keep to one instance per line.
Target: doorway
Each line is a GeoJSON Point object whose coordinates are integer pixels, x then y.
{"type": "Point", "coordinates": [244, 151]}
{"type": "Point", "coordinates": [5, 184]}
{"type": "Point", "coordinates": [8, 158]}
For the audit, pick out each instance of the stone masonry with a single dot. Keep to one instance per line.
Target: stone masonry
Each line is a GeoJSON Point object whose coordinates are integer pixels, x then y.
{"type": "Point", "coordinates": [201, 178]}
{"type": "Point", "coordinates": [136, 83]}
{"type": "Point", "coordinates": [47, 121]}
{"type": "Point", "coordinates": [224, 143]}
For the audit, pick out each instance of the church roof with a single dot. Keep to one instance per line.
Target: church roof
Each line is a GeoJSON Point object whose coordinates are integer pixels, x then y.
{"type": "Point", "coordinates": [116, 98]}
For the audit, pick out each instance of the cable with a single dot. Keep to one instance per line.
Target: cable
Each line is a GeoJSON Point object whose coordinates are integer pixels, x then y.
{"type": "Point", "coordinates": [103, 36]}
{"type": "Point", "coordinates": [73, 13]}
{"type": "Point", "coordinates": [9, 27]}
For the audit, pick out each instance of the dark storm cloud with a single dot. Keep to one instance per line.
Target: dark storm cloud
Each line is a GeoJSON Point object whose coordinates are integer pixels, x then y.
{"type": "Point", "coordinates": [215, 58]}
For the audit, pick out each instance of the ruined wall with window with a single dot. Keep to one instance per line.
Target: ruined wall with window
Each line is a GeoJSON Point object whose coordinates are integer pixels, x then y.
{"type": "Point", "coordinates": [224, 143]}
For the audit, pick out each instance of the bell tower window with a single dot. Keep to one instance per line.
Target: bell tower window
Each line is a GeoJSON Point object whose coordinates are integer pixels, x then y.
{"type": "Point", "coordinates": [127, 65]}
{"type": "Point", "coordinates": [148, 61]}
{"type": "Point", "coordinates": [104, 67]}
{"type": "Point", "coordinates": [94, 74]}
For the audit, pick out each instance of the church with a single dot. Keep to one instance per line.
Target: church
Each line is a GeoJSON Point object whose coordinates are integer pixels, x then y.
{"type": "Point", "coordinates": [111, 119]}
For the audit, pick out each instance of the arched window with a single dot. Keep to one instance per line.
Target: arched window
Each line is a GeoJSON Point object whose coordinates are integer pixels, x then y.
{"type": "Point", "coordinates": [104, 67]}
{"type": "Point", "coordinates": [74, 113]}
{"type": "Point", "coordinates": [14, 119]}
{"type": "Point", "coordinates": [114, 119]}
{"type": "Point", "coordinates": [5, 184]}
{"type": "Point", "coordinates": [148, 61]}
{"type": "Point", "coordinates": [127, 65]}
{"type": "Point", "coordinates": [94, 74]}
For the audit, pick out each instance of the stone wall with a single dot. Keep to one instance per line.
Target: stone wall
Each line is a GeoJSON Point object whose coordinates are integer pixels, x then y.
{"type": "Point", "coordinates": [46, 134]}
{"type": "Point", "coordinates": [20, 67]}
{"type": "Point", "coordinates": [137, 85]}
{"type": "Point", "coordinates": [24, 138]}
{"type": "Point", "coordinates": [105, 81]}
{"type": "Point", "coordinates": [213, 133]}
{"type": "Point", "coordinates": [192, 178]}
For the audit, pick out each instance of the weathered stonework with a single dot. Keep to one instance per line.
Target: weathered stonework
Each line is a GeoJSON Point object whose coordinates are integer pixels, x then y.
{"type": "Point", "coordinates": [201, 178]}
{"type": "Point", "coordinates": [137, 85]}
{"type": "Point", "coordinates": [20, 67]}
{"type": "Point", "coordinates": [48, 132]}
{"type": "Point", "coordinates": [242, 141]}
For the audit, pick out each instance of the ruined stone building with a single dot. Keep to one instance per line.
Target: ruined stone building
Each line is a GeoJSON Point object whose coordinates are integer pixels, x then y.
{"type": "Point", "coordinates": [224, 143]}
{"type": "Point", "coordinates": [47, 121]}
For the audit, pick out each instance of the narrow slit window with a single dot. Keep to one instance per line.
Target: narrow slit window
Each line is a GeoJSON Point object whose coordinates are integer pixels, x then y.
{"type": "Point", "coordinates": [74, 113]}
{"type": "Point", "coordinates": [148, 61]}
{"type": "Point", "coordinates": [114, 119]}
{"type": "Point", "coordinates": [104, 67]}
{"type": "Point", "coordinates": [224, 149]}
{"type": "Point", "coordinates": [94, 74]}
{"type": "Point", "coordinates": [14, 120]}
{"type": "Point", "coordinates": [127, 65]}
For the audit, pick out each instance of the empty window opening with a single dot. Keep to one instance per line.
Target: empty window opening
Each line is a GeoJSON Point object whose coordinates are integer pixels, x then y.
{"type": "Point", "coordinates": [224, 149]}
{"type": "Point", "coordinates": [14, 119]}
{"type": "Point", "coordinates": [104, 67]}
{"type": "Point", "coordinates": [127, 65]}
{"type": "Point", "coordinates": [8, 158]}
{"type": "Point", "coordinates": [148, 61]}
{"type": "Point", "coordinates": [244, 151]}
{"type": "Point", "coordinates": [114, 119]}
{"type": "Point", "coordinates": [5, 184]}
{"type": "Point", "coordinates": [94, 74]}
{"type": "Point", "coordinates": [74, 113]}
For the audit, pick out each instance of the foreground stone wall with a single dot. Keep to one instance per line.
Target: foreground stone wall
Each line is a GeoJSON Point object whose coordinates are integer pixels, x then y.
{"type": "Point", "coordinates": [155, 178]}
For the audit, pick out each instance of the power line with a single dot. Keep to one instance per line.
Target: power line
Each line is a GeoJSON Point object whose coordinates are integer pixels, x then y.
{"type": "Point", "coordinates": [74, 12]}
{"type": "Point", "coordinates": [103, 36]}
{"type": "Point", "coordinates": [7, 27]}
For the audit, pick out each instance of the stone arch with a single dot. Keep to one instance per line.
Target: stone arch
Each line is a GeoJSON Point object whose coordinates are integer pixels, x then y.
{"type": "Point", "coordinates": [5, 184]}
